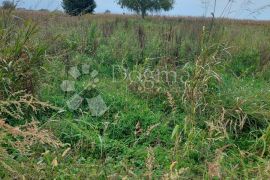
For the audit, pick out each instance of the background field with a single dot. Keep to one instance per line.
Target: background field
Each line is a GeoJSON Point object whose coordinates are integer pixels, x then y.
{"type": "Point", "coordinates": [212, 121]}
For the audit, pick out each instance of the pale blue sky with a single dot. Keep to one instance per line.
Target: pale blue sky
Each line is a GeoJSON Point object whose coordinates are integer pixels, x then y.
{"type": "Point", "coordinates": [241, 9]}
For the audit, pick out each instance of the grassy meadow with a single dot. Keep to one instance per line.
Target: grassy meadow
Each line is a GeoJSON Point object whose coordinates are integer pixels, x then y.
{"type": "Point", "coordinates": [187, 98]}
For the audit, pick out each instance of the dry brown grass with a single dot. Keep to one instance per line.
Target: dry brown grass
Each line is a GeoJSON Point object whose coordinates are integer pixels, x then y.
{"type": "Point", "coordinates": [42, 17]}
{"type": "Point", "coordinates": [31, 135]}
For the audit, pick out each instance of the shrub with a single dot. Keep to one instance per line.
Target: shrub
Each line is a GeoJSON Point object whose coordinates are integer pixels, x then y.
{"type": "Point", "coordinates": [75, 7]}
{"type": "Point", "coordinates": [8, 5]}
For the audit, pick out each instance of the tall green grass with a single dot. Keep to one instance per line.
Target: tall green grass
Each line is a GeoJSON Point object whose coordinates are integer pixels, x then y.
{"type": "Point", "coordinates": [213, 122]}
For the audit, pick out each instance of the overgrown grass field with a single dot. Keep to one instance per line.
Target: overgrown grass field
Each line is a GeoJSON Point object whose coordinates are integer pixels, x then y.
{"type": "Point", "coordinates": [186, 98]}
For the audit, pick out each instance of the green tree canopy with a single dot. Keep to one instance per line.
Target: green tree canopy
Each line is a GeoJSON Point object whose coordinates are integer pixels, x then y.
{"type": "Point", "coordinates": [144, 6]}
{"type": "Point", "coordinates": [78, 7]}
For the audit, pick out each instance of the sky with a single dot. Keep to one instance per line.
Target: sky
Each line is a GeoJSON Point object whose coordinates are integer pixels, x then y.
{"type": "Point", "coordinates": [239, 9]}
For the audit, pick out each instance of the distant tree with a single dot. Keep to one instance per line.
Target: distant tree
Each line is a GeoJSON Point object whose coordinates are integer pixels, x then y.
{"type": "Point", "coordinates": [57, 11]}
{"type": "Point", "coordinates": [79, 7]}
{"type": "Point", "coordinates": [107, 12]}
{"type": "Point", "coordinates": [44, 10]}
{"type": "Point", "coordinates": [22, 9]}
{"type": "Point", "coordinates": [8, 5]}
{"type": "Point", "coordinates": [143, 6]}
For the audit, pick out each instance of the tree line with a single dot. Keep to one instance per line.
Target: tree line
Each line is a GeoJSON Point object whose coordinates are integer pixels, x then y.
{"type": "Point", "coordinates": [81, 7]}
{"type": "Point", "coordinates": [142, 7]}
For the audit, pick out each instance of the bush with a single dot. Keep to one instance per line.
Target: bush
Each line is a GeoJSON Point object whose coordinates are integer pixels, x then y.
{"type": "Point", "coordinates": [8, 5]}
{"type": "Point", "coordinates": [75, 7]}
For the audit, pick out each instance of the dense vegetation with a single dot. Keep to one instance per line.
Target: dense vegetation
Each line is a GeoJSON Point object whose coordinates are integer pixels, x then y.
{"type": "Point", "coordinates": [208, 117]}
{"type": "Point", "coordinates": [75, 7]}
